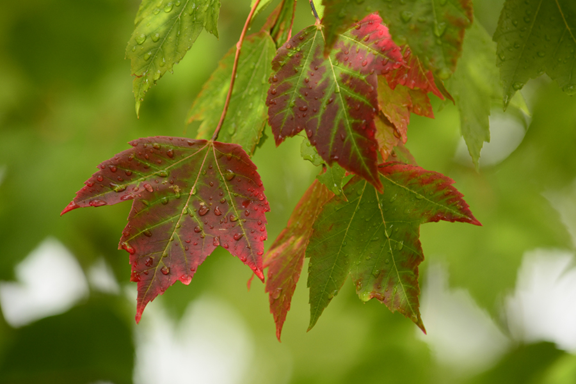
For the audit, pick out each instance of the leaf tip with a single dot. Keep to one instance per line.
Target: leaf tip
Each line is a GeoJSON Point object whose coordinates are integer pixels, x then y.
{"type": "Point", "coordinates": [69, 207]}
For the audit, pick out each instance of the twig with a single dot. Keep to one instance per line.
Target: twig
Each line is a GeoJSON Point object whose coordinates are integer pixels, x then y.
{"type": "Point", "coordinates": [234, 69]}
{"type": "Point", "coordinates": [314, 11]}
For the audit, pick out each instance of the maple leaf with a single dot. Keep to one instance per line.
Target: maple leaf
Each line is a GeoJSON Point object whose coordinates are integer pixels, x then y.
{"type": "Point", "coordinates": [413, 75]}
{"type": "Point", "coordinates": [434, 29]}
{"type": "Point", "coordinates": [536, 36]}
{"type": "Point", "coordinates": [476, 89]}
{"type": "Point", "coordinates": [285, 257]}
{"type": "Point", "coordinates": [374, 237]}
{"type": "Point", "coordinates": [246, 115]}
{"type": "Point", "coordinates": [164, 31]}
{"type": "Point", "coordinates": [190, 196]}
{"type": "Point", "coordinates": [333, 99]}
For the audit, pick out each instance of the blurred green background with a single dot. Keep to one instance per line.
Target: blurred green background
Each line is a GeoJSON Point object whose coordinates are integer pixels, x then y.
{"type": "Point", "coordinates": [498, 301]}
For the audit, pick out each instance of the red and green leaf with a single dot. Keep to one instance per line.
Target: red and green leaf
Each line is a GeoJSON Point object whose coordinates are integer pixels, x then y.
{"type": "Point", "coordinates": [333, 99]}
{"type": "Point", "coordinates": [374, 237]}
{"type": "Point", "coordinates": [285, 257]}
{"type": "Point", "coordinates": [246, 116]}
{"type": "Point", "coordinates": [190, 196]}
{"type": "Point", "coordinates": [434, 29]}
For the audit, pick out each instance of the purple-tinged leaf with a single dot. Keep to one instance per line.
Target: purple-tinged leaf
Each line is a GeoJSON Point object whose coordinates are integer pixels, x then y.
{"type": "Point", "coordinates": [190, 196]}
{"type": "Point", "coordinates": [333, 99]}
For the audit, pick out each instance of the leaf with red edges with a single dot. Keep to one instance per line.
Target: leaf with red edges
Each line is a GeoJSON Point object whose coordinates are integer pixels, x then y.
{"type": "Point", "coordinates": [374, 237]}
{"type": "Point", "coordinates": [190, 196]}
{"type": "Point", "coordinates": [285, 257]}
{"type": "Point", "coordinates": [434, 29]}
{"type": "Point", "coordinates": [333, 99]}
{"type": "Point", "coordinates": [413, 75]}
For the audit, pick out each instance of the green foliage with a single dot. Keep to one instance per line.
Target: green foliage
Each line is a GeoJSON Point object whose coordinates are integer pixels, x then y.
{"type": "Point", "coordinates": [536, 37]}
{"type": "Point", "coordinates": [247, 114]}
{"type": "Point", "coordinates": [164, 32]}
{"type": "Point", "coordinates": [61, 111]}
{"type": "Point", "coordinates": [373, 238]}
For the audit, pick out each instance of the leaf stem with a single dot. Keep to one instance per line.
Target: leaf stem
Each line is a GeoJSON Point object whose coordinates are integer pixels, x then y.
{"type": "Point", "coordinates": [234, 69]}
{"type": "Point", "coordinates": [314, 11]}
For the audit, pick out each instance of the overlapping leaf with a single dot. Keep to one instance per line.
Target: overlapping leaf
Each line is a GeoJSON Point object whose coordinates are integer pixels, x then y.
{"type": "Point", "coordinates": [283, 22]}
{"type": "Point", "coordinates": [476, 88]}
{"type": "Point", "coordinates": [374, 237]}
{"type": "Point", "coordinates": [190, 196]}
{"type": "Point", "coordinates": [434, 29]}
{"type": "Point", "coordinates": [537, 36]}
{"type": "Point", "coordinates": [246, 116]}
{"type": "Point", "coordinates": [164, 31]}
{"type": "Point", "coordinates": [285, 257]}
{"type": "Point", "coordinates": [333, 177]}
{"type": "Point", "coordinates": [333, 99]}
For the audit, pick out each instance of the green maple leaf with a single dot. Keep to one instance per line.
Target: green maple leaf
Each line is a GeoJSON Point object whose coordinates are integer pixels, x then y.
{"type": "Point", "coordinates": [164, 31]}
{"type": "Point", "coordinates": [374, 237]}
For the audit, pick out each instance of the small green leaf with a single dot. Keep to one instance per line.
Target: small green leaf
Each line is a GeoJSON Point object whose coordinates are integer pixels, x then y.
{"type": "Point", "coordinates": [246, 116]}
{"type": "Point", "coordinates": [434, 29]}
{"type": "Point", "coordinates": [374, 237]}
{"type": "Point", "coordinates": [535, 37]}
{"type": "Point", "coordinates": [164, 31]}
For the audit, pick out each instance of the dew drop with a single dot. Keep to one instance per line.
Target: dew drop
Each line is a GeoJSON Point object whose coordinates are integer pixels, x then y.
{"type": "Point", "coordinates": [238, 236]}
{"type": "Point", "coordinates": [203, 210]}
{"type": "Point", "coordinates": [165, 270]}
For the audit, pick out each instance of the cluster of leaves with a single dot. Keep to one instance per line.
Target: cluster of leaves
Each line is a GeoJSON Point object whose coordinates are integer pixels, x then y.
{"type": "Point", "coordinates": [350, 82]}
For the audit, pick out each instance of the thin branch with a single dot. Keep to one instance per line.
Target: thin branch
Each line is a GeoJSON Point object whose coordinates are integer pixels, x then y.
{"type": "Point", "coordinates": [314, 12]}
{"type": "Point", "coordinates": [234, 69]}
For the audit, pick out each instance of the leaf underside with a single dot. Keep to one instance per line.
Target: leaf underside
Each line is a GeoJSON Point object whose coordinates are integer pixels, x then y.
{"type": "Point", "coordinates": [434, 29]}
{"type": "Point", "coordinates": [164, 31]}
{"type": "Point", "coordinates": [190, 196]}
{"type": "Point", "coordinates": [374, 237]}
{"type": "Point", "coordinates": [535, 37]}
{"type": "Point", "coordinates": [333, 99]}
{"type": "Point", "coordinates": [246, 116]}
{"type": "Point", "coordinates": [285, 257]}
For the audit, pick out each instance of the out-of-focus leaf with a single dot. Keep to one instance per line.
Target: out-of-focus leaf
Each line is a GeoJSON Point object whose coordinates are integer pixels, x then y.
{"type": "Point", "coordinates": [190, 196]}
{"type": "Point", "coordinates": [164, 31]}
{"type": "Point", "coordinates": [434, 29]}
{"type": "Point", "coordinates": [246, 116]}
{"type": "Point", "coordinates": [87, 344]}
{"type": "Point", "coordinates": [285, 257]}
{"type": "Point", "coordinates": [375, 238]}
{"type": "Point", "coordinates": [475, 88]}
{"type": "Point", "coordinates": [333, 99]}
{"type": "Point", "coordinates": [536, 36]}
{"type": "Point", "coordinates": [524, 365]}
